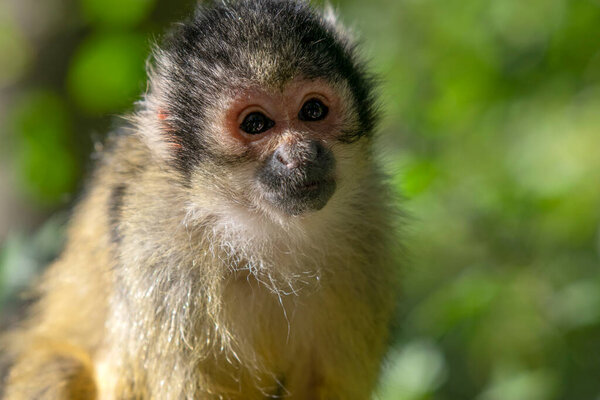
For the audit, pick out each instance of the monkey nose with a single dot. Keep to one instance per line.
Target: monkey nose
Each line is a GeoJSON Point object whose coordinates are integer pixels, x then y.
{"type": "Point", "coordinates": [294, 157]}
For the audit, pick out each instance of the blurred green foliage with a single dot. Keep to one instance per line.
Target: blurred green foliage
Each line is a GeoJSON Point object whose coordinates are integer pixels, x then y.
{"type": "Point", "coordinates": [47, 167]}
{"type": "Point", "coordinates": [13, 47]}
{"type": "Point", "coordinates": [491, 132]}
{"type": "Point", "coordinates": [106, 72]}
{"type": "Point", "coordinates": [116, 13]}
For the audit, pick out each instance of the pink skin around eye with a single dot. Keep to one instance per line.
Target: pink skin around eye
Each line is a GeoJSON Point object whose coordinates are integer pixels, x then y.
{"type": "Point", "coordinates": [282, 107]}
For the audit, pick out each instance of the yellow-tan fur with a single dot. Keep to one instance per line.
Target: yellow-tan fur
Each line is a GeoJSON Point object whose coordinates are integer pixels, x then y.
{"type": "Point", "coordinates": [200, 292]}
{"type": "Point", "coordinates": [317, 322]}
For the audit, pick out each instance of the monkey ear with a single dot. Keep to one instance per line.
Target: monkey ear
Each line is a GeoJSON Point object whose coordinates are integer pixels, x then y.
{"type": "Point", "coordinates": [153, 120]}
{"type": "Point", "coordinates": [155, 131]}
{"type": "Point", "coordinates": [162, 114]}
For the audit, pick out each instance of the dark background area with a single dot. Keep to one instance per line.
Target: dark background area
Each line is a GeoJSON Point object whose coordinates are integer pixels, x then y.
{"type": "Point", "coordinates": [491, 133]}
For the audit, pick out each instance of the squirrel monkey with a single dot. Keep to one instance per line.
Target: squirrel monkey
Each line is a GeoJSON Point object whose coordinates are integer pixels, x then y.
{"type": "Point", "coordinates": [236, 238]}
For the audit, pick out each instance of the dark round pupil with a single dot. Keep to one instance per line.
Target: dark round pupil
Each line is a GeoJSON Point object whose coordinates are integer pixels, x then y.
{"type": "Point", "coordinates": [313, 110]}
{"type": "Point", "coordinates": [255, 123]}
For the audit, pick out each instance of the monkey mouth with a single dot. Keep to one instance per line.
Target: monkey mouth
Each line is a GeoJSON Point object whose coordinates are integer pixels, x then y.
{"type": "Point", "coordinates": [302, 197]}
{"type": "Point", "coordinates": [313, 188]}
{"type": "Point", "coordinates": [315, 185]}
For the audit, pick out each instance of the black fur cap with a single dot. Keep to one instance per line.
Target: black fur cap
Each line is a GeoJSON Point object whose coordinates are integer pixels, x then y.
{"type": "Point", "coordinates": [232, 43]}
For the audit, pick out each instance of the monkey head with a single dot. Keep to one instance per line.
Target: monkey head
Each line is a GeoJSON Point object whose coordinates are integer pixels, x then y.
{"type": "Point", "coordinates": [266, 114]}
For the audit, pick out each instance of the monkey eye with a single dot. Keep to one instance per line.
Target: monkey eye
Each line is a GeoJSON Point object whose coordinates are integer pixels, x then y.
{"type": "Point", "coordinates": [313, 110]}
{"type": "Point", "coordinates": [256, 123]}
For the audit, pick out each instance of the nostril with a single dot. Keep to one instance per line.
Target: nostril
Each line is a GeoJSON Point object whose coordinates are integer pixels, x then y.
{"type": "Point", "coordinates": [280, 159]}
{"type": "Point", "coordinates": [284, 160]}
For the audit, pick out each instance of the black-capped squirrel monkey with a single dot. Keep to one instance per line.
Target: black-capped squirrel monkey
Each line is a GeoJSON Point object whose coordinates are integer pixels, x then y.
{"type": "Point", "coordinates": [235, 241]}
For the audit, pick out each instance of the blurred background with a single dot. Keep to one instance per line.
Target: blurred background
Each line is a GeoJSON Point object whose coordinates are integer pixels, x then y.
{"type": "Point", "coordinates": [491, 133]}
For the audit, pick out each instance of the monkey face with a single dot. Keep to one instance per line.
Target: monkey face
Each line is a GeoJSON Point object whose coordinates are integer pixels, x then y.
{"type": "Point", "coordinates": [287, 136]}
